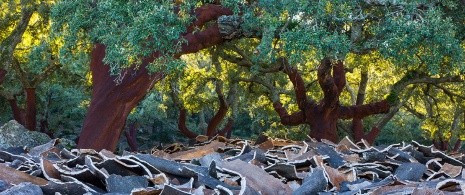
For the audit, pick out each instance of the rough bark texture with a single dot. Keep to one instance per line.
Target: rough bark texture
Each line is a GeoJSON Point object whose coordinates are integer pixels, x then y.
{"type": "Point", "coordinates": [31, 109]}
{"type": "Point", "coordinates": [111, 103]}
{"type": "Point", "coordinates": [322, 116]}
{"type": "Point", "coordinates": [18, 114]}
{"type": "Point", "coordinates": [131, 136]}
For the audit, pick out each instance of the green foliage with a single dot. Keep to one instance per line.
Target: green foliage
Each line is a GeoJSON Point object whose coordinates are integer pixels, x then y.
{"type": "Point", "coordinates": [131, 30]}
{"type": "Point", "coordinates": [403, 128]}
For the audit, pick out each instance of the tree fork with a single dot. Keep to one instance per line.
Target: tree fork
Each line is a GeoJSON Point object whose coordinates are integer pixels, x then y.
{"type": "Point", "coordinates": [111, 103]}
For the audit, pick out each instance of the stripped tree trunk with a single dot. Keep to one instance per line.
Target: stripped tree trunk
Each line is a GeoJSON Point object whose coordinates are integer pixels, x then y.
{"type": "Point", "coordinates": [322, 116]}
{"type": "Point", "coordinates": [111, 103]}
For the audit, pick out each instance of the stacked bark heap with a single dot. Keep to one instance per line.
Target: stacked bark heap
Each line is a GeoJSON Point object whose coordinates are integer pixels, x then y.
{"type": "Point", "coordinates": [234, 166]}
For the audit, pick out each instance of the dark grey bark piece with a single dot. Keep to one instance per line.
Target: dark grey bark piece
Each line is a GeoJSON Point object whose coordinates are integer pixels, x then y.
{"type": "Point", "coordinates": [204, 177]}
{"type": "Point", "coordinates": [430, 151]}
{"type": "Point", "coordinates": [212, 170]}
{"type": "Point", "coordinates": [170, 190]}
{"type": "Point", "coordinates": [374, 156]}
{"type": "Point", "coordinates": [375, 169]}
{"type": "Point", "coordinates": [113, 166]}
{"type": "Point", "coordinates": [119, 184]}
{"type": "Point", "coordinates": [399, 155]}
{"type": "Point", "coordinates": [25, 188]}
{"type": "Point", "coordinates": [95, 189]}
{"type": "Point", "coordinates": [9, 157]}
{"type": "Point", "coordinates": [84, 175]}
{"type": "Point", "coordinates": [287, 171]}
{"type": "Point", "coordinates": [165, 166]}
{"type": "Point", "coordinates": [335, 160]}
{"type": "Point", "coordinates": [355, 185]}
{"type": "Point", "coordinates": [385, 181]}
{"type": "Point", "coordinates": [207, 159]}
{"type": "Point", "coordinates": [419, 156]}
{"type": "Point", "coordinates": [14, 150]}
{"type": "Point", "coordinates": [313, 183]}
{"type": "Point", "coordinates": [71, 188]}
{"type": "Point", "coordinates": [64, 153]}
{"type": "Point", "coordinates": [410, 171]}
{"type": "Point", "coordinates": [38, 150]}
{"type": "Point", "coordinates": [3, 185]}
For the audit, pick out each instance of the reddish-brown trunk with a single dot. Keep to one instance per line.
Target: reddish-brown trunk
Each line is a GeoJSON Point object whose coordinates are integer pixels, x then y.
{"type": "Point", "coordinates": [436, 144]}
{"type": "Point", "coordinates": [18, 114]}
{"type": "Point", "coordinates": [357, 129]}
{"type": "Point", "coordinates": [31, 109]}
{"type": "Point", "coordinates": [322, 117]}
{"type": "Point", "coordinates": [131, 135]}
{"type": "Point", "coordinates": [372, 135]}
{"type": "Point", "coordinates": [111, 103]}
{"type": "Point", "coordinates": [444, 145]}
{"type": "Point", "coordinates": [227, 129]}
{"type": "Point", "coordinates": [219, 116]}
{"type": "Point", "coordinates": [182, 125]}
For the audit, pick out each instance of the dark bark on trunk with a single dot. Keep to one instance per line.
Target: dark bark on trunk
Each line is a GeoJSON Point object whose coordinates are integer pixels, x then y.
{"type": "Point", "coordinates": [219, 116]}
{"type": "Point", "coordinates": [31, 109]}
{"type": "Point", "coordinates": [182, 125]}
{"type": "Point", "coordinates": [322, 117]}
{"type": "Point", "coordinates": [111, 103]}
{"type": "Point", "coordinates": [227, 129]}
{"type": "Point", "coordinates": [131, 136]}
{"type": "Point", "coordinates": [18, 114]}
{"type": "Point", "coordinates": [436, 144]}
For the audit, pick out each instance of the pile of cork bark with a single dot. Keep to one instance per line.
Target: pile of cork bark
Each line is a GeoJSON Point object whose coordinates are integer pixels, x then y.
{"type": "Point", "coordinates": [235, 166]}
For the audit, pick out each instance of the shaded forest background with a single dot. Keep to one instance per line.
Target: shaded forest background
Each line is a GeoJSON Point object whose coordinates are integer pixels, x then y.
{"type": "Point", "coordinates": [405, 54]}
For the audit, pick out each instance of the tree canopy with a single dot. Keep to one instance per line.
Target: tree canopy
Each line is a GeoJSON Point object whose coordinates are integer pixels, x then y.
{"type": "Point", "coordinates": [283, 60]}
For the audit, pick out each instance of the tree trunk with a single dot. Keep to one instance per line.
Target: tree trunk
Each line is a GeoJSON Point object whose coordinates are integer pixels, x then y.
{"type": "Point", "coordinates": [111, 103]}
{"type": "Point", "coordinates": [322, 117]}
{"type": "Point", "coordinates": [18, 114]}
{"type": "Point", "coordinates": [182, 125]}
{"type": "Point", "coordinates": [31, 109]}
{"type": "Point", "coordinates": [131, 135]}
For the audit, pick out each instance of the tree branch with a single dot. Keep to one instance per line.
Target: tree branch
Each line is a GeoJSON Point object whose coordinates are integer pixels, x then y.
{"type": "Point", "coordinates": [299, 85]}
{"type": "Point", "coordinates": [362, 111]}
{"type": "Point", "coordinates": [286, 119]}
{"type": "Point", "coordinates": [327, 84]}
{"type": "Point", "coordinates": [9, 44]}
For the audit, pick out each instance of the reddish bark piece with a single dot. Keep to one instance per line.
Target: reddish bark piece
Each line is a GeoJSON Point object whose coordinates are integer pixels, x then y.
{"type": "Point", "coordinates": [13, 176]}
{"type": "Point", "coordinates": [111, 103]}
{"type": "Point", "coordinates": [198, 152]}
{"type": "Point", "coordinates": [322, 116]}
{"type": "Point", "coordinates": [451, 170]}
{"type": "Point", "coordinates": [256, 176]}
{"type": "Point", "coordinates": [334, 177]}
{"type": "Point", "coordinates": [49, 171]}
